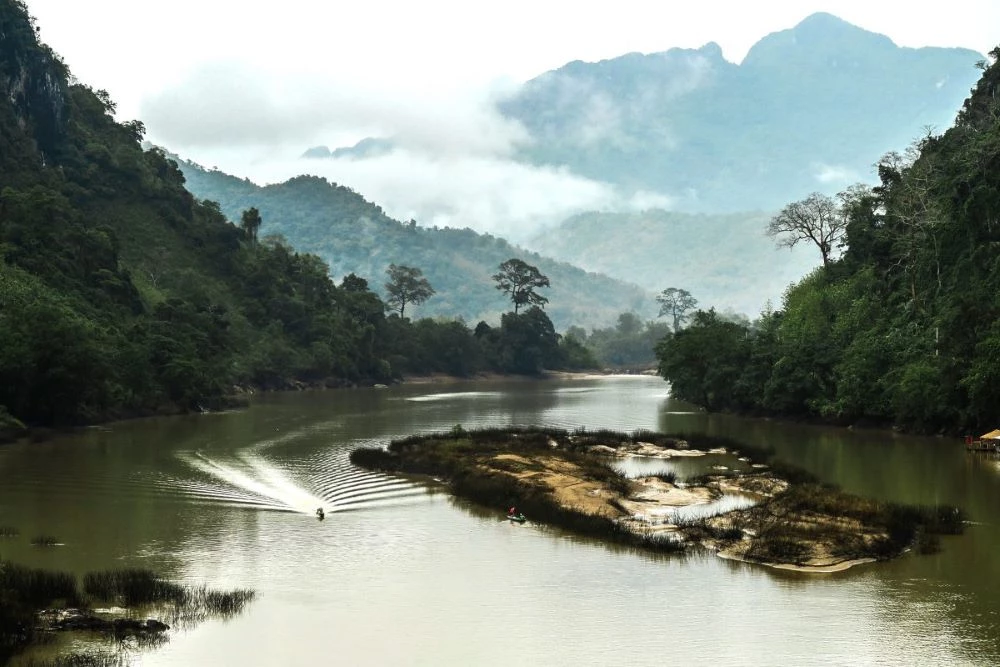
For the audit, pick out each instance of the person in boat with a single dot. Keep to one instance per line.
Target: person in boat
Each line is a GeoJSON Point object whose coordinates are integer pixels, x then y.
{"type": "Point", "coordinates": [320, 514]}
{"type": "Point", "coordinates": [512, 512]}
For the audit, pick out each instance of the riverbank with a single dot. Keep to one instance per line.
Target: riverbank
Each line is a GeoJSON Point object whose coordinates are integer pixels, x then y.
{"type": "Point", "coordinates": [441, 378]}
{"type": "Point", "coordinates": [756, 510]}
{"type": "Point", "coordinates": [13, 430]}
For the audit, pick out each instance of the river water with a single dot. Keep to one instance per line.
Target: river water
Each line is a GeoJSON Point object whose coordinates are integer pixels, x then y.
{"type": "Point", "coordinates": [400, 573]}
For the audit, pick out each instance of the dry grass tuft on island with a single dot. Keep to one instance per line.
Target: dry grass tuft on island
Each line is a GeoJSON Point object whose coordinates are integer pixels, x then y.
{"type": "Point", "coordinates": [757, 510]}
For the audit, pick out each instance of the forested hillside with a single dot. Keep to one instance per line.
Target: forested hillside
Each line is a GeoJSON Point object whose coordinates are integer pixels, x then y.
{"type": "Point", "coordinates": [354, 235]}
{"type": "Point", "coordinates": [904, 328]}
{"type": "Point", "coordinates": [122, 294]}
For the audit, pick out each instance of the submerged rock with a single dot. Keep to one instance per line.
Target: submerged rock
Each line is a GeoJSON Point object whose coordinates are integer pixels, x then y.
{"type": "Point", "coordinates": [78, 619]}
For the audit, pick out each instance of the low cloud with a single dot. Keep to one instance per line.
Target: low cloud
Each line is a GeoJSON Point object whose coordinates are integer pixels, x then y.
{"type": "Point", "coordinates": [227, 104]}
{"type": "Point", "coordinates": [452, 162]}
{"type": "Point", "coordinates": [832, 173]}
{"type": "Point", "coordinates": [486, 193]}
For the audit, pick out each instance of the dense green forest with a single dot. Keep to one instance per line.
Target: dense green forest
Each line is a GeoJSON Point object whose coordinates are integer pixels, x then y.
{"type": "Point", "coordinates": [629, 345]}
{"type": "Point", "coordinates": [903, 327]}
{"type": "Point", "coordinates": [354, 235]}
{"type": "Point", "coordinates": [123, 294]}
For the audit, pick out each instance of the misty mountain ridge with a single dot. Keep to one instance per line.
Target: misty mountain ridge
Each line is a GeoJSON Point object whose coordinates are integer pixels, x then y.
{"type": "Point", "coordinates": [810, 108]}
{"type": "Point", "coordinates": [726, 261]}
{"type": "Point", "coordinates": [354, 235]}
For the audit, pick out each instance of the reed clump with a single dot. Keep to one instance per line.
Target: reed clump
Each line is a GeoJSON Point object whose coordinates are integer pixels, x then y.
{"type": "Point", "coordinates": [25, 592]}
{"type": "Point", "coordinates": [89, 658]}
{"type": "Point", "coordinates": [223, 603]}
{"type": "Point", "coordinates": [36, 587]}
{"type": "Point", "coordinates": [44, 541]}
{"type": "Point", "coordinates": [132, 587]}
{"type": "Point", "coordinates": [9, 531]}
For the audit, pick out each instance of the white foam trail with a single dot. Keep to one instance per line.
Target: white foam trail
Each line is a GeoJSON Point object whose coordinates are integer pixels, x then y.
{"type": "Point", "coordinates": [251, 480]}
{"type": "Point", "coordinates": [273, 486]}
{"type": "Point", "coordinates": [457, 394]}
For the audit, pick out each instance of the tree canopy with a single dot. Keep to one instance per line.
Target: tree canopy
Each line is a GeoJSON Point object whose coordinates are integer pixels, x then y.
{"type": "Point", "coordinates": [676, 303]}
{"type": "Point", "coordinates": [520, 281]}
{"type": "Point", "coordinates": [406, 285]}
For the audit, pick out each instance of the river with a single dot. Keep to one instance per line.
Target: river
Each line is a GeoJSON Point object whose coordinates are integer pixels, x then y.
{"type": "Point", "coordinates": [399, 573]}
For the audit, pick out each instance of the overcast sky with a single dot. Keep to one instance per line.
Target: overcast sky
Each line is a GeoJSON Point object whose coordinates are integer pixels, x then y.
{"type": "Point", "coordinates": [247, 86]}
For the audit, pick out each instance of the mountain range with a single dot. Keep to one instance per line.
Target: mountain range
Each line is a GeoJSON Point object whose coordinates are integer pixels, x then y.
{"type": "Point", "coordinates": [810, 108]}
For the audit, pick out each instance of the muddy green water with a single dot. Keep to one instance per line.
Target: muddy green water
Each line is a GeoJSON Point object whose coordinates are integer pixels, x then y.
{"type": "Point", "coordinates": [401, 574]}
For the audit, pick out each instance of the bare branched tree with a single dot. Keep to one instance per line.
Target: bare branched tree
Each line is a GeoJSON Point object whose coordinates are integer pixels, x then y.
{"type": "Point", "coordinates": [816, 219]}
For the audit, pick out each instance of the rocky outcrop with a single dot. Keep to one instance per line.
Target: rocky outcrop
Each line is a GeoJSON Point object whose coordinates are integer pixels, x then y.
{"type": "Point", "coordinates": [33, 79]}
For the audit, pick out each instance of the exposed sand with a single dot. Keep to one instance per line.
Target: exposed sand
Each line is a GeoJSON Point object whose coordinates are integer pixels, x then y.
{"type": "Point", "coordinates": [566, 482]}
{"type": "Point", "coordinates": [652, 503]}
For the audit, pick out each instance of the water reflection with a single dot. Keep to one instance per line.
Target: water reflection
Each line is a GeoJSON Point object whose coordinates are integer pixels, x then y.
{"type": "Point", "coordinates": [683, 467]}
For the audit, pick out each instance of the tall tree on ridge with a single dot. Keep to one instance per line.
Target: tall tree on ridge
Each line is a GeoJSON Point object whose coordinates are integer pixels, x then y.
{"type": "Point", "coordinates": [520, 280]}
{"type": "Point", "coordinates": [406, 285]}
{"type": "Point", "coordinates": [676, 303]}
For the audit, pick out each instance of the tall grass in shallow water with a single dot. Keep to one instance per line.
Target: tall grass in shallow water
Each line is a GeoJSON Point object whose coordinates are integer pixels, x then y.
{"type": "Point", "coordinates": [25, 592]}
{"type": "Point", "coordinates": [89, 658]}
{"type": "Point", "coordinates": [136, 588]}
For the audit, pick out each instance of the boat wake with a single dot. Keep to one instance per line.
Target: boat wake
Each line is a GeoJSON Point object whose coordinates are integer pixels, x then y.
{"type": "Point", "coordinates": [248, 479]}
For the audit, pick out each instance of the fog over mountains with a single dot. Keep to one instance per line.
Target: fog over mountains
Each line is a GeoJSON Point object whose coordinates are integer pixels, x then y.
{"type": "Point", "coordinates": [687, 155]}
{"type": "Point", "coordinates": [659, 170]}
{"type": "Point", "coordinates": [809, 109]}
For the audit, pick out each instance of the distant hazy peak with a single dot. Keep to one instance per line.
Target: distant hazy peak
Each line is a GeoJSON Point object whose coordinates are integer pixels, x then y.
{"type": "Point", "coordinates": [636, 61]}
{"type": "Point", "coordinates": [816, 37]}
{"type": "Point", "coordinates": [825, 21]}
{"type": "Point", "coordinates": [712, 50]}
{"type": "Point", "coordinates": [317, 152]}
{"type": "Point", "coordinates": [366, 148]}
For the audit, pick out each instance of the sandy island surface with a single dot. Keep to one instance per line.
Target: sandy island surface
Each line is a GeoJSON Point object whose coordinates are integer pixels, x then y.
{"type": "Point", "coordinates": [741, 509]}
{"type": "Point", "coordinates": [652, 503]}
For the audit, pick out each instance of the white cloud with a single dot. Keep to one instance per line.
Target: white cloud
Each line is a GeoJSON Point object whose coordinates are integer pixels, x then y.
{"type": "Point", "coordinates": [452, 163]}
{"type": "Point", "coordinates": [228, 103]}
{"type": "Point", "coordinates": [483, 192]}
{"type": "Point", "coordinates": [832, 173]}
{"type": "Point", "coordinates": [644, 200]}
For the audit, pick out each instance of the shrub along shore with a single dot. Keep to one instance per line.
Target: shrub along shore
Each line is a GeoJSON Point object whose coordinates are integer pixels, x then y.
{"type": "Point", "coordinates": [785, 517]}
